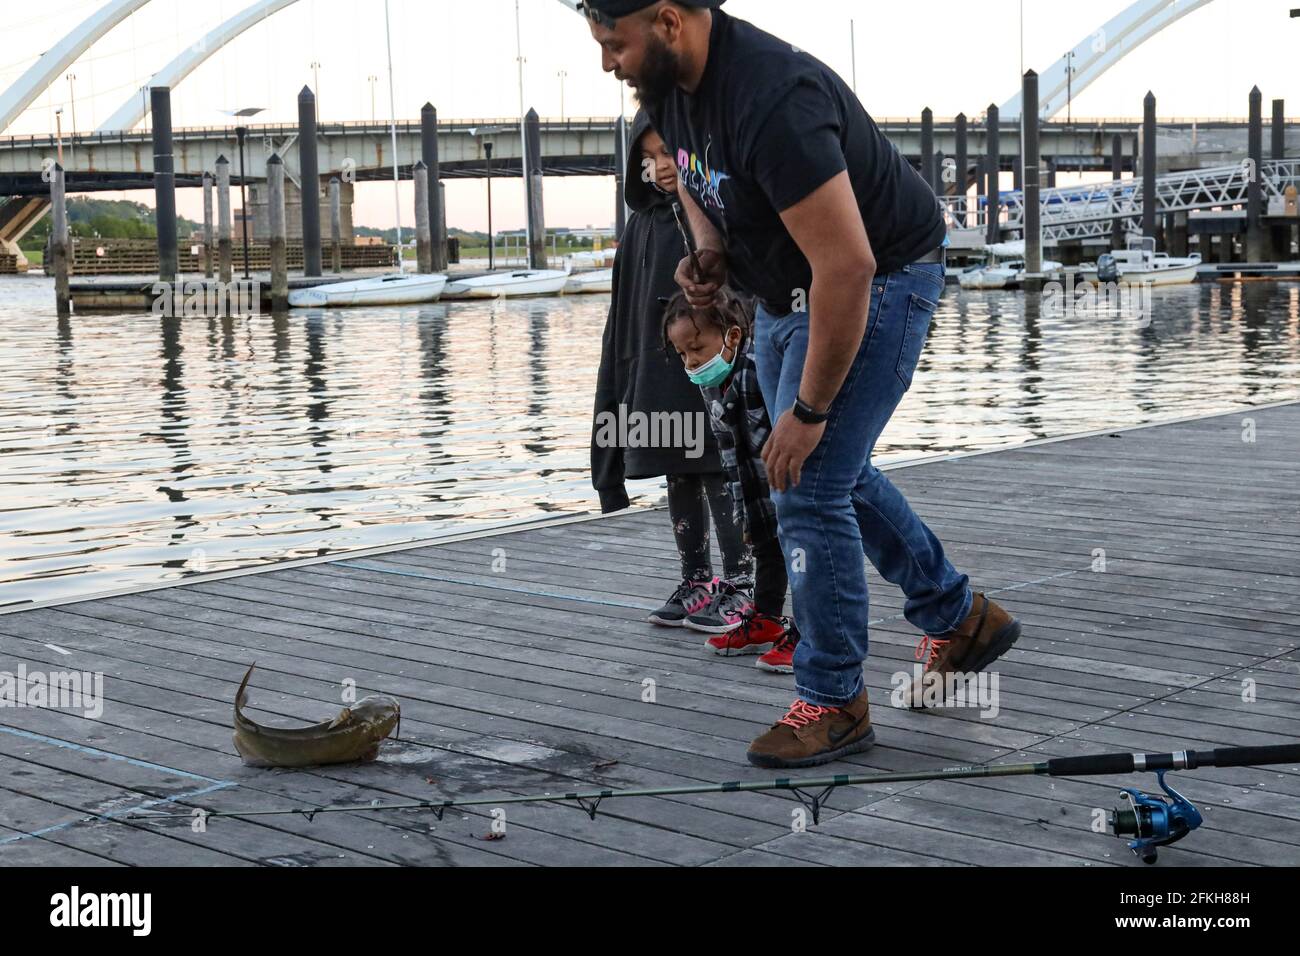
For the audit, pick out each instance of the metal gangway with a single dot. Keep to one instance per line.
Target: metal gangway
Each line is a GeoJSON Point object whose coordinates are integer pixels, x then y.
{"type": "Point", "coordinates": [1088, 212]}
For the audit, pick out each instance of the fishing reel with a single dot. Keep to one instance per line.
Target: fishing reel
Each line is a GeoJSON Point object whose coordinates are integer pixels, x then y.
{"type": "Point", "coordinates": [1155, 821]}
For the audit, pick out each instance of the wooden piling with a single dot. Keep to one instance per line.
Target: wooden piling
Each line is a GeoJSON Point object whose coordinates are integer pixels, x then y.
{"type": "Point", "coordinates": [1029, 171]}
{"type": "Point", "coordinates": [1149, 165]}
{"type": "Point", "coordinates": [208, 262]}
{"type": "Point", "coordinates": [437, 209]}
{"type": "Point", "coordinates": [60, 243]}
{"type": "Point", "coordinates": [963, 167]}
{"type": "Point", "coordinates": [993, 167]}
{"type": "Point", "coordinates": [225, 223]}
{"type": "Point", "coordinates": [279, 233]}
{"type": "Point", "coordinates": [1117, 173]}
{"type": "Point", "coordinates": [423, 233]}
{"type": "Point", "coordinates": [442, 228]}
{"type": "Point", "coordinates": [164, 180]}
{"type": "Point", "coordinates": [620, 172]}
{"type": "Point", "coordinates": [309, 168]}
{"type": "Point", "coordinates": [927, 148]}
{"type": "Point", "coordinates": [532, 167]}
{"type": "Point", "coordinates": [1257, 244]}
{"type": "Point", "coordinates": [336, 225]}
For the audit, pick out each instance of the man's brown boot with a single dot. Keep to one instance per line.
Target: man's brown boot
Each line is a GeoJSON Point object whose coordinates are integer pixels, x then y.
{"type": "Point", "coordinates": [987, 633]}
{"type": "Point", "coordinates": [809, 735]}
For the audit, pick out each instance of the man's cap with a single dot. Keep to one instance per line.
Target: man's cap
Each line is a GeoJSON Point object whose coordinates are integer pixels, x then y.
{"type": "Point", "coordinates": [621, 8]}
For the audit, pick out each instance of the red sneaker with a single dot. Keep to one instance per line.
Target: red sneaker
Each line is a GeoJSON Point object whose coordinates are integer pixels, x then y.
{"type": "Point", "coordinates": [780, 659]}
{"type": "Point", "coordinates": [757, 634]}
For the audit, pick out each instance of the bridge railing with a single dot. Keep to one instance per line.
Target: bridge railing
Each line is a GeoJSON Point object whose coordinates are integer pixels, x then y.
{"type": "Point", "coordinates": [506, 124]}
{"type": "Point", "coordinates": [496, 126]}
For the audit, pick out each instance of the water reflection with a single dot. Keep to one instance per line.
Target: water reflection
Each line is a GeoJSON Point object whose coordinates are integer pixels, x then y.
{"type": "Point", "coordinates": [137, 449]}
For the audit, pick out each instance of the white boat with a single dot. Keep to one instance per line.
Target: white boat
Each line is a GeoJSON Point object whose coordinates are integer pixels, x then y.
{"type": "Point", "coordinates": [502, 285]}
{"type": "Point", "coordinates": [396, 289]}
{"type": "Point", "coordinates": [1141, 263]}
{"type": "Point", "coordinates": [597, 280]}
{"type": "Point", "coordinates": [594, 258]}
{"type": "Point", "coordinates": [1005, 268]}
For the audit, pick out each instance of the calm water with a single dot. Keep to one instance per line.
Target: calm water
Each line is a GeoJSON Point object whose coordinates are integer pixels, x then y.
{"type": "Point", "coordinates": [136, 450]}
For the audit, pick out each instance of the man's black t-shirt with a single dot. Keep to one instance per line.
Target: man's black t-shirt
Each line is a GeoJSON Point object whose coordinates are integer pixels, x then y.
{"type": "Point", "coordinates": [768, 125]}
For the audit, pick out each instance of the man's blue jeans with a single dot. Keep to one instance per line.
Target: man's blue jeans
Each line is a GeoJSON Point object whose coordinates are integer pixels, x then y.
{"type": "Point", "coordinates": [844, 507]}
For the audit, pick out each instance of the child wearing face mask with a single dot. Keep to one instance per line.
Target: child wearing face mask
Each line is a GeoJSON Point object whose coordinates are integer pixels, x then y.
{"type": "Point", "coordinates": [716, 348]}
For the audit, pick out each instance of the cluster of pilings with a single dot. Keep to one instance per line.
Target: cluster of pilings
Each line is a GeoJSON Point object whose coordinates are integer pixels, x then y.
{"type": "Point", "coordinates": [430, 207]}
{"type": "Point", "coordinates": [1032, 173]}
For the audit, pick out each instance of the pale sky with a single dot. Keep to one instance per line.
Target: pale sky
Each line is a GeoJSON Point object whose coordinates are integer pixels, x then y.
{"type": "Point", "coordinates": [950, 55]}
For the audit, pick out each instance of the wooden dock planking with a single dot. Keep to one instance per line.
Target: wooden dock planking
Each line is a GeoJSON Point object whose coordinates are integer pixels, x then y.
{"type": "Point", "coordinates": [530, 680]}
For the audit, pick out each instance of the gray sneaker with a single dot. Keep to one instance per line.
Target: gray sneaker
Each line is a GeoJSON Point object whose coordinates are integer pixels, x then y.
{"type": "Point", "coordinates": [725, 612]}
{"type": "Point", "coordinates": [690, 597]}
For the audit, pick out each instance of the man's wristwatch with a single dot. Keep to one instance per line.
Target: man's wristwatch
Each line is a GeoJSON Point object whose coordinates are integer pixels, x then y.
{"type": "Point", "coordinates": [807, 414]}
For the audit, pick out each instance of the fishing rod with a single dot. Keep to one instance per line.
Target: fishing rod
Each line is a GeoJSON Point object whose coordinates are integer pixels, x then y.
{"type": "Point", "coordinates": [686, 241]}
{"type": "Point", "coordinates": [1153, 821]}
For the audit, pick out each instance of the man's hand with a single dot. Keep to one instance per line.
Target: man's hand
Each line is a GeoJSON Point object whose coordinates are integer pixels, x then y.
{"type": "Point", "coordinates": [702, 287]}
{"type": "Point", "coordinates": [787, 448]}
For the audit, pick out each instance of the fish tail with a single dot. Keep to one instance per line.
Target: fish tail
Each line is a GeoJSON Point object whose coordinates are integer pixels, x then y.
{"type": "Point", "coordinates": [241, 696]}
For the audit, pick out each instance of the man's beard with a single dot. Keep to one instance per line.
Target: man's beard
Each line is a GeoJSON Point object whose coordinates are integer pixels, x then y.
{"type": "Point", "coordinates": [659, 72]}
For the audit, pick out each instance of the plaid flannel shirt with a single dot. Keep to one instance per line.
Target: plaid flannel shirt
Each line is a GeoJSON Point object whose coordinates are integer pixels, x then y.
{"type": "Point", "coordinates": [740, 422]}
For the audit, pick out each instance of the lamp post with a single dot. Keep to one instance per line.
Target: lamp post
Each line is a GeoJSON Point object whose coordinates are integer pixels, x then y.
{"type": "Point", "coordinates": [1069, 87]}
{"type": "Point", "coordinates": [562, 74]}
{"type": "Point", "coordinates": [241, 133]}
{"type": "Point", "coordinates": [72, 98]}
{"type": "Point", "coordinates": [315, 86]}
{"type": "Point", "coordinates": [372, 80]}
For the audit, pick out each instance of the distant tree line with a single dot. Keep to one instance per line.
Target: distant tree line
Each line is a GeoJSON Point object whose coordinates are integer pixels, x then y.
{"type": "Point", "coordinates": [106, 219]}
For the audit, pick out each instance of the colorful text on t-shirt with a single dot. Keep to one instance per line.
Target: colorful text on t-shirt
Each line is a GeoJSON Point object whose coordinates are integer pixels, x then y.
{"type": "Point", "coordinates": [701, 180]}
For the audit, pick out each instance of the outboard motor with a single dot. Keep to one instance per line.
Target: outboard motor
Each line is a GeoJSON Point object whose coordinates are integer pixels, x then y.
{"type": "Point", "coordinates": [1107, 268]}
